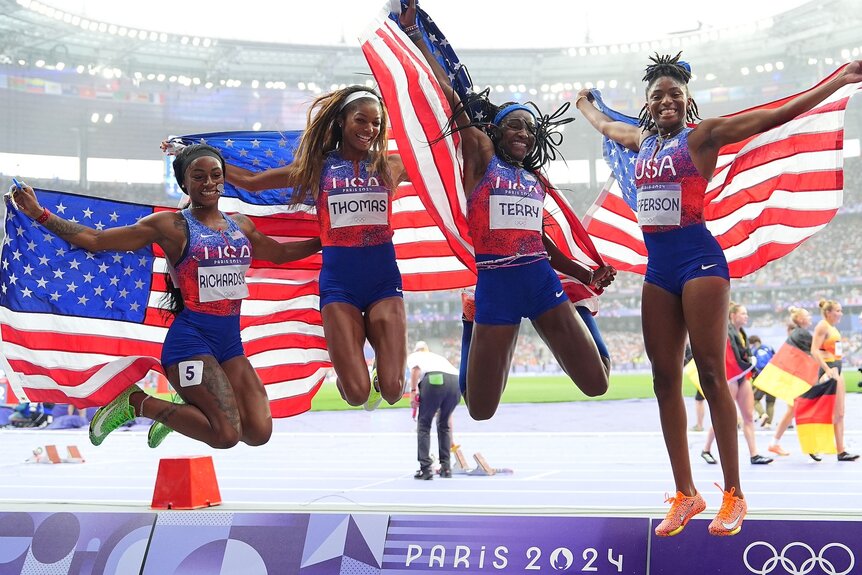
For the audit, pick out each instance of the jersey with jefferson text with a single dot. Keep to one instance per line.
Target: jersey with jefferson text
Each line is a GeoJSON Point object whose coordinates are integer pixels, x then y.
{"type": "Point", "coordinates": [670, 190]}
{"type": "Point", "coordinates": [354, 207]}
{"type": "Point", "coordinates": [211, 271]}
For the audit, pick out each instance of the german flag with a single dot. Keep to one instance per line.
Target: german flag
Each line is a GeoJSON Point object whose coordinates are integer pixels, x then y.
{"type": "Point", "coordinates": [734, 372]}
{"type": "Point", "coordinates": [814, 418]}
{"type": "Point", "coordinates": [790, 373]}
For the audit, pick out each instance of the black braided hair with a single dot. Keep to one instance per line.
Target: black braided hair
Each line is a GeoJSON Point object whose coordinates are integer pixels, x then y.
{"type": "Point", "coordinates": [481, 112]}
{"type": "Point", "coordinates": [667, 66]}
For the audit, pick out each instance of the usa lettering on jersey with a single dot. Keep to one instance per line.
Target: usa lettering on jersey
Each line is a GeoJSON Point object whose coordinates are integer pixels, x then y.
{"type": "Point", "coordinates": [655, 168]}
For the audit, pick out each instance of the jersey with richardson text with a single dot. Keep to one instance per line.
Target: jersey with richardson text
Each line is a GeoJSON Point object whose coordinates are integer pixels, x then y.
{"type": "Point", "coordinates": [670, 191]}
{"type": "Point", "coordinates": [211, 272]}
{"type": "Point", "coordinates": [354, 207]}
{"type": "Point", "coordinates": [505, 211]}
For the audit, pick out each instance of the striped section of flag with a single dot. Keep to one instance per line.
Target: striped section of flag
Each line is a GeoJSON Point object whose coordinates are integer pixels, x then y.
{"type": "Point", "coordinates": [418, 113]}
{"type": "Point", "coordinates": [814, 411]}
{"type": "Point", "coordinates": [768, 193]}
{"type": "Point", "coordinates": [789, 373]}
{"type": "Point", "coordinates": [79, 327]}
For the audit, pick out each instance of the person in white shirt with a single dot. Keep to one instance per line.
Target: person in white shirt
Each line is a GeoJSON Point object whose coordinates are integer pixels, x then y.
{"type": "Point", "coordinates": [435, 379]}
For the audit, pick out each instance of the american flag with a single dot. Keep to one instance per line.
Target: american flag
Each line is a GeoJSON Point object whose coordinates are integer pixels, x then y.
{"type": "Point", "coordinates": [768, 193]}
{"type": "Point", "coordinates": [418, 112]}
{"type": "Point", "coordinates": [79, 327]}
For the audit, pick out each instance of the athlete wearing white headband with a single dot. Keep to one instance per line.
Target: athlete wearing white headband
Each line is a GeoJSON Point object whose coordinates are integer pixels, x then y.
{"type": "Point", "coordinates": [358, 95]}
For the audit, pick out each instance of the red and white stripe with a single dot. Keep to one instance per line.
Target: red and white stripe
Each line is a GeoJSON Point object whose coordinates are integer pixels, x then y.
{"type": "Point", "coordinates": [417, 112]}
{"type": "Point", "coordinates": [768, 194]}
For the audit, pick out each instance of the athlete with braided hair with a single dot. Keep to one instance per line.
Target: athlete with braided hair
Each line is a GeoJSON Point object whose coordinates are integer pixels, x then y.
{"type": "Point", "coordinates": [503, 149]}
{"type": "Point", "coordinates": [687, 287]}
{"type": "Point", "coordinates": [342, 165]}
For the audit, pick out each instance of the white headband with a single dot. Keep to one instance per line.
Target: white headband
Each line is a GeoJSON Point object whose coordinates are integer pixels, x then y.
{"type": "Point", "coordinates": [357, 95]}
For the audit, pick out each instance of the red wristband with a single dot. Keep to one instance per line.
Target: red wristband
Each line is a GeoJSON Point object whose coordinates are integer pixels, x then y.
{"type": "Point", "coordinates": [44, 217]}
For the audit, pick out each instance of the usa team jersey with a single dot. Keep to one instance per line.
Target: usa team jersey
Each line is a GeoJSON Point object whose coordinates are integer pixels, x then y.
{"type": "Point", "coordinates": [354, 209]}
{"type": "Point", "coordinates": [211, 271]}
{"type": "Point", "coordinates": [505, 211]}
{"type": "Point", "coordinates": [670, 190]}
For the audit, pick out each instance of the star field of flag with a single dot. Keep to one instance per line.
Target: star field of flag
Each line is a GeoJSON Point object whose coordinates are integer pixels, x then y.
{"type": "Point", "coordinates": [620, 159]}
{"type": "Point", "coordinates": [254, 151]}
{"type": "Point", "coordinates": [43, 273]}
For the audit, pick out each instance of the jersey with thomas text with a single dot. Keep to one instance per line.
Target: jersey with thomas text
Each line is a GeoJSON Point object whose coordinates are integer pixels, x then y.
{"type": "Point", "coordinates": [505, 211]}
{"type": "Point", "coordinates": [211, 271]}
{"type": "Point", "coordinates": [670, 190]}
{"type": "Point", "coordinates": [354, 207]}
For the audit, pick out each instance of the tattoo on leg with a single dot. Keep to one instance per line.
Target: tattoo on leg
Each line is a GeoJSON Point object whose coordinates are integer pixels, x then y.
{"type": "Point", "coordinates": [166, 414]}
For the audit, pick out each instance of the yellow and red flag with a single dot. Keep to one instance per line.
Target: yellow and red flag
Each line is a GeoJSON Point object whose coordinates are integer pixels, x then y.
{"type": "Point", "coordinates": [790, 373]}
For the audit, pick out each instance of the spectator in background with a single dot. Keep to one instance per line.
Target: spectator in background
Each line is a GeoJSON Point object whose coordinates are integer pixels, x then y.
{"type": "Point", "coordinates": [31, 415]}
{"type": "Point", "coordinates": [762, 353]}
{"type": "Point", "coordinates": [799, 336]}
{"type": "Point", "coordinates": [827, 349]}
{"type": "Point", "coordinates": [435, 380]}
{"type": "Point", "coordinates": [740, 389]}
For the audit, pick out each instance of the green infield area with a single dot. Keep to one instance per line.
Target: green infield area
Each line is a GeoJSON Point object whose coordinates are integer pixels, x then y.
{"type": "Point", "coordinates": [548, 389]}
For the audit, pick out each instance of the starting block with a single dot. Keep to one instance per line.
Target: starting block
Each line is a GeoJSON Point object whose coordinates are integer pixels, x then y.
{"type": "Point", "coordinates": [482, 467]}
{"type": "Point", "coordinates": [186, 483]}
{"type": "Point", "coordinates": [50, 455]}
{"type": "Point", "coordinates": [461, 467]}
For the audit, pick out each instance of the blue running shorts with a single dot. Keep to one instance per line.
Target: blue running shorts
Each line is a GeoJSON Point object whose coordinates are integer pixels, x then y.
{"type": "Point", "coordinates": [681, 255]}
{"type": "Point", "coordinates": [194, 333]}
{"type": "Point", "coordinates": [359, 276]}
{"type": "Point", "coordinates": [505, 295]}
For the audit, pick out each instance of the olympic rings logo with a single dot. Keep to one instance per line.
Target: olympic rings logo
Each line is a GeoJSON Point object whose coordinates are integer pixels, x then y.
{"type": "Point", "coordinates": [807, 566]}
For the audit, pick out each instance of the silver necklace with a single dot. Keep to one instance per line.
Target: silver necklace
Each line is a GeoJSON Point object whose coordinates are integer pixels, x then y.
{"type": "Point", "coordinates": [662, 139]}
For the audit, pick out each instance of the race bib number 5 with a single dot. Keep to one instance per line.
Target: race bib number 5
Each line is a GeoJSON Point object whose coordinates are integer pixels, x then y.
{"type": "Point", "coordinates": [191, 372]}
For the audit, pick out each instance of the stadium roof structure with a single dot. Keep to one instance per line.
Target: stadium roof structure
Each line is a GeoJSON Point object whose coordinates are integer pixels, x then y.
{"type": "Point", "coordinates": [35, 33]}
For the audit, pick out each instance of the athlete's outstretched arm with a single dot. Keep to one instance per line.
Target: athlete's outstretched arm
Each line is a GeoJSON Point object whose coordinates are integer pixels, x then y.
{"type": "Point", "coordinates": [271, 179]}
{"type": "Point", "coordinates": [475, 144]}
{"type": "Point", "coordinates": [713, 133]}
{"type": "Point", "coordinates": [265, 248]}
{"type": "Point", "coordinates": [146, 231]}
